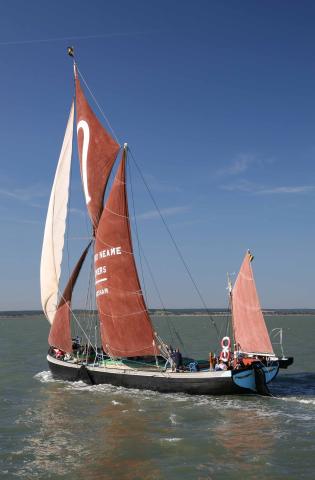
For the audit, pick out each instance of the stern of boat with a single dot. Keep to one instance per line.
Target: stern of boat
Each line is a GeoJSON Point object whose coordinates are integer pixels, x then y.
{"type": "Point", "coordinates": [256, 378]}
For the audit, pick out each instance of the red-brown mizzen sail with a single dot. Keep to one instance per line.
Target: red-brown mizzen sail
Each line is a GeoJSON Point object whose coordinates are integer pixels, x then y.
{"type": "Point", "coordinates": [60, 331]}
{"type": "Point", "coordinates": [126, 329]}
{"type": "Point", "coordinates": [97, 153]}
{"type": "Point", "coordinates": [250, 331]}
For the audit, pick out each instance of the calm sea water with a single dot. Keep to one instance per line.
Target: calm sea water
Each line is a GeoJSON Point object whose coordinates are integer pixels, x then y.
{"type": "Point", "coordinates": [58, 430]}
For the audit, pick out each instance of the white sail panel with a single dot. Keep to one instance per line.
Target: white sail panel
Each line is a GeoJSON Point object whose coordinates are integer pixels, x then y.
{"type": "Point", "coordinates": [50, 267]}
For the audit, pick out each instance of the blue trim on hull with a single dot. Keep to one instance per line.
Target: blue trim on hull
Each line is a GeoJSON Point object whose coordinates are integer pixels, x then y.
{"type": "Point", "coordinates": [270, 372]}
{"type": "Point", "coordinates": [245, 379]}
{"type": "Point", "coordinates": [248, 379]}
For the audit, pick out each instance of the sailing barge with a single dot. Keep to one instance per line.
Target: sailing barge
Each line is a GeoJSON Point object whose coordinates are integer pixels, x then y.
{"type": "Point", "coordinates": [130, 353]}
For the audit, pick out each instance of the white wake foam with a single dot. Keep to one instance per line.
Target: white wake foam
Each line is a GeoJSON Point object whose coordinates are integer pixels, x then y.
{"type": "Point", "coordinates": [173, 419]}
{"type": "Point", "coordinates": [45, 377]}
{"type": "Point", "coordinates": [171, 440]}
{"type": "Point", "coordinates": [307, 401]}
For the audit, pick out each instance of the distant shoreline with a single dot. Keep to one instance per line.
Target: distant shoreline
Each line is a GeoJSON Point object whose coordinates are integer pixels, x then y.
{"type": "Point", "coordinates": [176, 312]}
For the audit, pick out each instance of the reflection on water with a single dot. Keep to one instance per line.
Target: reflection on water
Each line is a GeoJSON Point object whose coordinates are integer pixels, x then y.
{"type": "Point", "coordinates": [108, 432]}
{"type": "Point", "coordinates": [246, 437]}
{"type": "Point", "coordinates": [55, 434]}
{"type": "Point", "coordinates": [122, 444]}
{"type": "Point", "coordinates": [95, 437]}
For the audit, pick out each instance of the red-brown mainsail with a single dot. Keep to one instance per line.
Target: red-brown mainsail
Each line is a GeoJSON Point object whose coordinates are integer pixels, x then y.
{"type": "Point", "coordinates": [250, 331]}
{"type": "Point", "coordinates": [126, 328]}
{"type": "Point", "coordinates": [97, 153]}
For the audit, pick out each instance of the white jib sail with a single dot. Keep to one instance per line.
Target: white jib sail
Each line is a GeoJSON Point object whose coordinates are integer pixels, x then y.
{"type": "Point", "coordinates": [50, 267]}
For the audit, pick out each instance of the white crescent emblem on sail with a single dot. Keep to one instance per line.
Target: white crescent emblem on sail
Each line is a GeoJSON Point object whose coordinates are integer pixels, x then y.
{"type": "Point", "coordinates": [86, 140]}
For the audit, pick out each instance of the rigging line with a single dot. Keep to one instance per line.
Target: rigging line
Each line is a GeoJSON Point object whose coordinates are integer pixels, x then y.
{"type": "Point", "coordinates": [158, 292]}
{"type": "Point", "coordinates": [172, 330]}
{"type": "Point", "coordinates": [89, 318]}
{"type": "Point", "coordinates": [137, 233]}
{"type": "Point", "coordinates": [224, 324]}
{"type": "Point", "coordinates": [81, 238]}
{"type": "Point", "coordinates": [229, 325]}
{"type": "Point", "coordinates": [68, 210]}
{"type": "Point", "coordinates": [91, 280]}
{"type": "Point", "coordinates": [79, 37]}
{"type": "Point", "coordinates": [99, 107]}
{"type": "Point", "coordinates": [175, 245]}
{"type": "Point", "coordinates": [180, 341]}
{"type": "Point", "coordinates": [88, 222]}
{"type": "Point", "coordinates": [76, 319]}
{"type": "Point", "coordinates": [72, 312]}
{"type": "Point", "coordinates": [228, 329]}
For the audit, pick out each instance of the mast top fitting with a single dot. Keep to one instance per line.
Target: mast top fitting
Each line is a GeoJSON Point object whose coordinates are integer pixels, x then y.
{"type": "Point", "coordinates": [70, 51]}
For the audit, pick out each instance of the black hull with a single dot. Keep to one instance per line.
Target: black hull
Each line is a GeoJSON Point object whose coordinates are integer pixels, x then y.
{"type": "Point", "coordinates": [285, 362]}
{"type": "Point", "coordinates": [201, 383]}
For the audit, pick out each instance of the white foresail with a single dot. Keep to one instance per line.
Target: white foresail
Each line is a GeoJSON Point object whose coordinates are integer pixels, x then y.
{"type": "Point", "coordinates": [50, 267]}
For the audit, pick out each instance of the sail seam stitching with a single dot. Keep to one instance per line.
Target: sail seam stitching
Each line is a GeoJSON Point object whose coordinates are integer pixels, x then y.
{"type": "Point", "coordinates": [123, 315]}
{"type": "Point", "coordinates": [115, 213]}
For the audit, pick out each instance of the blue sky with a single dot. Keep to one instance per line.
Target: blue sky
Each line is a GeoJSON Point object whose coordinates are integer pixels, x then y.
{"type": "Point", "coordinates": [216, 100]}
